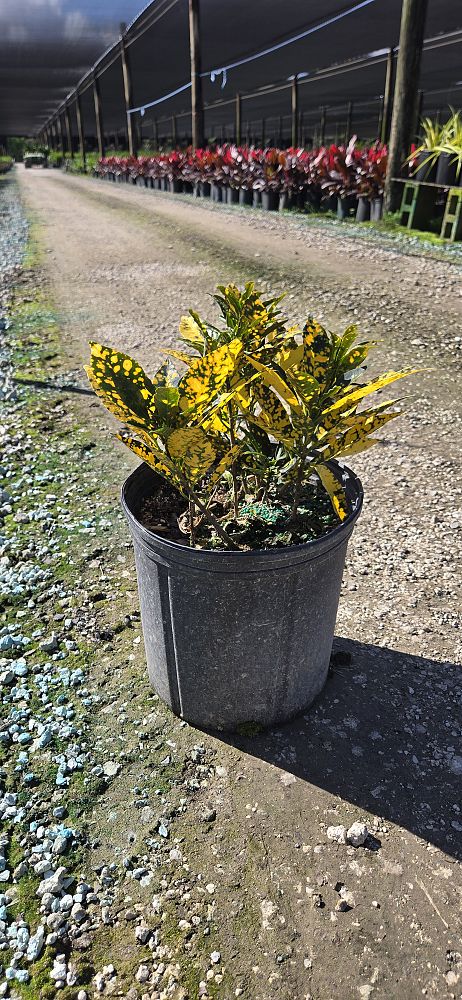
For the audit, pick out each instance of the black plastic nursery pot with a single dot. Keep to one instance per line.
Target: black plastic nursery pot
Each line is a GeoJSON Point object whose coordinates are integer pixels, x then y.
{"type": "Point", "coordinates": [363, 210]}
{"type": "Point", "coordinates": [270, 201]}
{"type": "Point", "coordinates": [245, 196]}
{"type": "Point", "coordinates": [232, 196]}
{"type": "Point", "coordinates": [236, 638]}
{"type": "Point", "coordinates": [425, 171]}
{"type": "Point", "coordinates": [377, 208]}
{"type": "Point", "coordinates": [216, 192]}
{"type": "Point", "coordinates": [446, 170]}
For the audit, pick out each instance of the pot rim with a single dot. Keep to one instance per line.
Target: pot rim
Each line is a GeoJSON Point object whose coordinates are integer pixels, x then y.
{"type": "Point", "coordinates": [312, 549]}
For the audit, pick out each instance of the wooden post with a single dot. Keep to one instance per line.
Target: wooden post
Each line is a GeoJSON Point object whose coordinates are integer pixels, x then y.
{"type": "Point", "coordinates": [412, 29]}
{"type": "Point", "coordinates": [197, 104]}
{"type": "Point", "coordinates": [80, 129]}
{"type": "Point", "coordinates": [128, 97]}
{"type": "Point", "coordinates": [387, 97]}
{"type": "Point", "coordinates": [322, 127]}
{"type": "Point", "coordinates": [61, 135]}
{"type": "Point", "coordinates": [349, 120]}
{"type": "Point", "coordinates": [67, 119]}
{"type": "Point", "coordinates": [295, 111]}
{"type": "Point", "coordinates": [301, 129]}
{"type": "Point", "coordinates": [98, 115]}
{"type": "Point", "coordinates": [420, 101]}
{"type": "Point", "coordinates": [238, 119]}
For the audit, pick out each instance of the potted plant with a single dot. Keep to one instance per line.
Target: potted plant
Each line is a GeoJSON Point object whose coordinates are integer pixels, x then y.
{"type": "Point", "coordinates": [240, 513]}
{"type": "Point", "coordinates": [371, 169]}
{"type": "Point", "coordinates": [423, 158]}
{"type": "Point", "coordinates": [335, 167]}
{"type": "Point", "coordinates": [269, 176]}
{"type": "Point", "coordinates": [449, 166]}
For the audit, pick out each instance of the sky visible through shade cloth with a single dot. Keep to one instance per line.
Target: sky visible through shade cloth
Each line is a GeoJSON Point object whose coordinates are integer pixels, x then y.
{"type": "Point", "coordinates": [47, 45]}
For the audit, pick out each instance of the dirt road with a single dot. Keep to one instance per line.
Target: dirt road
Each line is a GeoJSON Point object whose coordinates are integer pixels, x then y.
{"type": "Point", "coordinates": [383, 743]}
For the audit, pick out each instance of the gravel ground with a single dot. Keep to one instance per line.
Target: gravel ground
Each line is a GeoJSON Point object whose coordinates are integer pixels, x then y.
{"type": "Point", "coordinates": [249, 877]}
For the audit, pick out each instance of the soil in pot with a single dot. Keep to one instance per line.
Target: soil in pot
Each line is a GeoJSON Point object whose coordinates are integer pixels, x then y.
{"type": "Point", "coordinates": [235, 638]}
{"type": "Point", "coordinates": [259, 526]}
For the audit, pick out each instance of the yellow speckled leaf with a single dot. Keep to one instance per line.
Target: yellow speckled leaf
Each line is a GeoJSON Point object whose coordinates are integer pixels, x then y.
{"type": "Point", "coordinates": [166, 375]}
{"type": "Point", "coordinates": [152, 456]}
{"type": "Point", "coordinates": [356, 357]}
{"type": "Point", "coordinates": [289, 357]}
{"type": "Point", "coordinates": [224, 464]}
{"type": "Point", "coordinates": [346, 440]}
{"type": "Point", "coordinates": [273, 413]}
{"type": "Point", "coordinates": [121, 383]}
{"type": "Point", "coordinates": [274, 381]}
{"type": "Point", "coordinates": [365, 390]}
{"type": "Point", "coordinates": [182, 356]}
{"type": "Point", "coordinates": [190, 332]}
{"type": "Point", "coordinates": [192, 451]}
{"type": "Point", "coordinates": [207, 376]}
{"type": "Point", "coordinates": [360, 445]}
{"type": "Point", "coordinates": [286, 438]}
{"type": "Point", "coordinates": [335, 491]}
{"type": "Point", "coordinates": [317, 349]}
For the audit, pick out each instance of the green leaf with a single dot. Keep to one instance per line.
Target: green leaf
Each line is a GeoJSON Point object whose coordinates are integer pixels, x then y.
{"type": "Point", "coordinates": [166, 402]}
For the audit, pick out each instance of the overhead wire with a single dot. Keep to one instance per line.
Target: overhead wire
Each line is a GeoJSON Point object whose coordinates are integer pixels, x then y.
{"type": "Point", "coordinates": [142, 108]}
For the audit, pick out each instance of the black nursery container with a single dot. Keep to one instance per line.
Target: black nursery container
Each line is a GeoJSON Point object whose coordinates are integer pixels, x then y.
{"type": "Point", "coordinates": [245, 196]}
{"type": "Point", "coordinates": [237, 637]}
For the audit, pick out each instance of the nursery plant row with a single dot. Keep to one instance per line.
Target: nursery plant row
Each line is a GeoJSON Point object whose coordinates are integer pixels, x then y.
{"type": "Point", "coordinates": [6, 164]}
{"type": "Point", "coordinates": [342, 178]}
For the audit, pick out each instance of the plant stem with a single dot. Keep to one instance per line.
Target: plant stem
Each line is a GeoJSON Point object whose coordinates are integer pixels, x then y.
{"type": "Point", "coordinates": [298, 483]}
{"type": "Point", "coordinates": [207, 513]}
{"type": "Point", "coordinates": [191, 521]}
{"type": "Point", "coordinates": [232, 441]}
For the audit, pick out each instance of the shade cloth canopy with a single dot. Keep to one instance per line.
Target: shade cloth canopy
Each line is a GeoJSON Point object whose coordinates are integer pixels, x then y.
{"type": "Point", "coordinates": [47, 47]}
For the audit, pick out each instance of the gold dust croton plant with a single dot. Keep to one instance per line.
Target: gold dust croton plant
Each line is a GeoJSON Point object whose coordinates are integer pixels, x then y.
{"type": "Point", "coordinates": [249, 426]}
